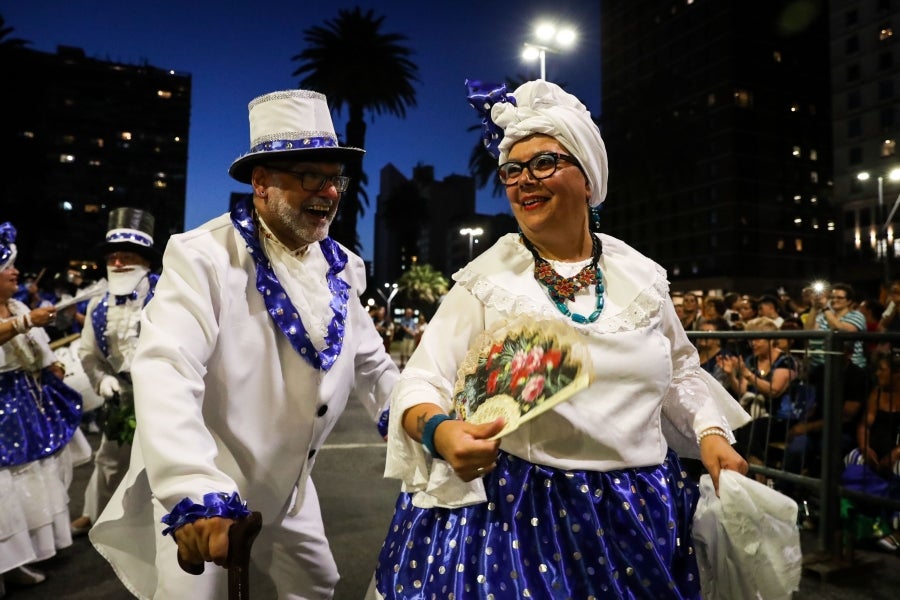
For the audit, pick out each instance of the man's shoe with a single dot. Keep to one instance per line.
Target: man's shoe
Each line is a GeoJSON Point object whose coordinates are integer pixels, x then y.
{"type": "Point", "coordinates": [23, 576]}
{"type": "Point", "coordinates": [81, 526]}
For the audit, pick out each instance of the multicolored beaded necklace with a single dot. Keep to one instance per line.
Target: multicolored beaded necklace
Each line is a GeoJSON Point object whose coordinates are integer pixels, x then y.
{"type": "Point", "coordinates": [562, 289]}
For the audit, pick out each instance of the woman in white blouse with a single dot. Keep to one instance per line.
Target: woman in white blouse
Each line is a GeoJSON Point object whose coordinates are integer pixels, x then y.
{"type": "Point", "coordinates": [588, 499]}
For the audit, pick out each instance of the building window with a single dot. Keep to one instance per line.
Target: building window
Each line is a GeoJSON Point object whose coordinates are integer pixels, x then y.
{"type": "Point", "coordinates": [889, 148]}
{"type": "Point", "coordinates": [853, 73]}
{"type": "Point", "coordinates": [66, 158]}
{"type": "Point", "coordinates": [125, 135]}
{"type": "Point", "coordinates": [813, 154]}
{"type": "Point", "coordinates": [854, 99]}
{"type": "Point", "coordinates": [795, 151]}
{"type": "Point", "coordinates": [798, 244]}
{"type": "Point", "coordinates": [854, 127]}
{"type": "Point", "coordinates": [164, 94]}
{"type": "Point", "coordinates": [743, 98]}
{"type": "Point", "coordinates": [814, 177]}
{"type": "Point", "coordinates": [851, 17]}
{"type": "Point", "coordinates": [887, 117]}
{"type": "Point", "coordinates": [885, 60]}
{"type": "Point", "coordinates": [886, 33]}
{"type": "Point", "coordinates": [855, 157]}
{"type": "Point", "coordinates": [851, 45]}
{"type": "Point", "coordinates": [776, 56]}
{"type": "Point", "coordinates": [885, 89]}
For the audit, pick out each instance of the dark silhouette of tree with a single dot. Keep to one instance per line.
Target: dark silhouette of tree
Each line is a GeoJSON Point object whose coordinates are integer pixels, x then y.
{"type": "Point", "coordinates": [357, 66]}
{"type": "Point", "coordinates": [10, 41]}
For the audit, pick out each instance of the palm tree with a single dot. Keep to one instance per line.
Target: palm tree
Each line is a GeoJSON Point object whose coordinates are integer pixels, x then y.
{"type": "Point", "coordinates": [424, 287]}
{"type": "Point", "coordinates": [355, 64]}
{"type": "Point", "coordinates": [8, 41]}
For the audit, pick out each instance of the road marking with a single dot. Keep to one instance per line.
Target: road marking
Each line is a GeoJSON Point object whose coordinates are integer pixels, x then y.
{"type": "Point", "coordinates": [353, 446]}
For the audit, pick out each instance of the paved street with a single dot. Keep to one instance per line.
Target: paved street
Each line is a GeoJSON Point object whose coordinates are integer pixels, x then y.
{"type": "Point", "coordinates": [357, 504]}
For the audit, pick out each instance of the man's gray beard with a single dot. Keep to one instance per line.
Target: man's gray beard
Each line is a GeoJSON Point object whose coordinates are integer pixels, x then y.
{"type": "Point", "coordinates": [288, 218]}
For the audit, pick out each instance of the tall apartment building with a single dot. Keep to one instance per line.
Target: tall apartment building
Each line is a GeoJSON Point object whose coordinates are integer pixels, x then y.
{"type": "Point", "coordinates": [865, 86]}
{"type": "Point", "coordinates": [82, 136]}
{"type": "Point", "coordinates": [717, 120]}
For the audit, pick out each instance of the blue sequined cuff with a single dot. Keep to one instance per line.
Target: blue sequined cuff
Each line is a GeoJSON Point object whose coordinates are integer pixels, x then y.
{"type": "Point", "coordinates": [215, 504]}
{"type": "Point", "coordinates": [383, 423]}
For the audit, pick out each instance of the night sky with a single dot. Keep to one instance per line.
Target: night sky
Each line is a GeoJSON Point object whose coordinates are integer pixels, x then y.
{"type": "Point", "coordinates": [235, 51]}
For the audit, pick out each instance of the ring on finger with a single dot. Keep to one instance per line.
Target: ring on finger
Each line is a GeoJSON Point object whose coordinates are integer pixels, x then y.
{"type": "Point", "coordinates": [479, 470]}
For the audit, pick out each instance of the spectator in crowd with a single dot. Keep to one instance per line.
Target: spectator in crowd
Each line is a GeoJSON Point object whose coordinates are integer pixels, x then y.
{"type": "Point", "coordinates": [384, 327]}
{"type": "Point", "coordinates": [406, 334]}
{"type": "Point", "coordinates": [420, 328]}
{"type": "Point", "coordinates": [731, 315]}
{"type": "Point", "coordinates": [831, 310]}
{"type": "Point", "coordinates": [748, 309]}
{"type": "Point", "coordinates": [692, 313]}
{"type": "Point", "coordinates": [770, 307]}
{"type": "Point", "coordinates": [711, 350]}
{"type": "Point", "coordinates": [713, 308]}
{"type": "Point", "coordinates": [873, 311]}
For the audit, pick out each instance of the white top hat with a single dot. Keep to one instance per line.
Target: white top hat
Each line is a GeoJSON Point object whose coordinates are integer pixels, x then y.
{"type": "Point", "coordinates": [290, 125]}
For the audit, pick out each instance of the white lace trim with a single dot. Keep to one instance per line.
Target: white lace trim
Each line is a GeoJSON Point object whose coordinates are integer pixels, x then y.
{"type": "Point", "coordinates": [638, 313]}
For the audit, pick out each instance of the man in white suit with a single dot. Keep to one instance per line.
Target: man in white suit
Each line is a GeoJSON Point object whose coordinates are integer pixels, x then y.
{"type": "Point", "coordinates": [248, 353]}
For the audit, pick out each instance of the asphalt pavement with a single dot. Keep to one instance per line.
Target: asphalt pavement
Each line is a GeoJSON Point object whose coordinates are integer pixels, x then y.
{"type": "Point", "coordinates": [357, 503]}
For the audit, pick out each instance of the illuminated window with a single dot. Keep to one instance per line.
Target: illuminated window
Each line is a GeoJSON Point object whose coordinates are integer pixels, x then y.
{"type": "Point", "coordinates": [889, 147]}
{"type": "Point", "coordinates": [885, 34]}
{"type": "Point", "coordinates": [780, 244]}
{"type": "Point", "coordinates": [814, 200]}
{"type": "Point", "coordinates": [91, 208]}
{"type": "Point", "coordinates": [814, 177]}
{"type": "Point", "coordinates": [795, 107]}
{"type": "Point", "coordinates": [165, 94]}
{"type": "Point", "coordinates": [66, 158]}
{"type": "Point", "coordinates": [796, 151]}
{"type": "Point", "coordinates": [798, 245]}
{"type": "Point", "coordinates": [94, 162]}
{"type": "Point", "coordinates": [66, 205]}
{"type": "Point", "coordinates": [797, 199]}
{"type": "Point", "coordinates": [743, 98]}
{"type": "Point", "coordinates": [97, 142]}
{"type": "Point", "coordinates": [813, 154]}
{"type": "Point", "coordinates": [160, 185]}
{"type": "Point", "coordinates": [68, 139]}
{"type": "Point", "coordinates": [830, 225]}
{"type": "Point", "coordinates": [125, 135]}
{"type": "Point", "coordinates": [776, 56]}
{"type": "Point", "coordinates": [28, 134]}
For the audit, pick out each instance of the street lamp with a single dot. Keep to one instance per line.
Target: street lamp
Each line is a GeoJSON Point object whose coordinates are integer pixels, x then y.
{"type": "Point", "coordinates": [472, 232]}
{"type": "Point", "coordinates": [548, 38]}
{"type": "Point", "coordinates": [885, 234]}
{"type": "Point", "coordinates": [392, 291]}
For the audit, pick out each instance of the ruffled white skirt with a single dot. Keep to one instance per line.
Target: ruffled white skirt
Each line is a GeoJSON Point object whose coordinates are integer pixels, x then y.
{"type": "Point", "coordinates": [34, 518]}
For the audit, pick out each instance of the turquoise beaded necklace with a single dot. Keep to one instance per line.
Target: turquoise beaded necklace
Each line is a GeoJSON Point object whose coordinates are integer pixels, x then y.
{"type": "Point", "coordinates": [562, 289]}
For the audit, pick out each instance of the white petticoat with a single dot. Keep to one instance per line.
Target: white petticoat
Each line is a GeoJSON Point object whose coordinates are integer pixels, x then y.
{"type": "Point", "coordinates": [34, 520]}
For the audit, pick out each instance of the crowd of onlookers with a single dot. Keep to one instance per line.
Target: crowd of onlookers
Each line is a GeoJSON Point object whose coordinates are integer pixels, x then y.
{"type": "Point", "coordinates": [780, 382]}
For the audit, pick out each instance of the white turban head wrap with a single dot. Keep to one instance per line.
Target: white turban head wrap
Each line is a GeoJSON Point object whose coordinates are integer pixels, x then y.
{"type": "Point", "coordinates": [543, 107]}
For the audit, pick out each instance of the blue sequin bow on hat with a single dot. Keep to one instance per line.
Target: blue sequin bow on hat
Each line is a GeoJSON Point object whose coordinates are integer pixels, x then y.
{"type": "Point", "coordinates": [7, 244]}
{"type": "Point", "coordinates": [482, 96]}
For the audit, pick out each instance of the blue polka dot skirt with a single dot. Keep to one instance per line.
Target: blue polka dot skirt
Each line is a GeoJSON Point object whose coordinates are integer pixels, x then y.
{"type": "Point", "coordinates": [38, 416]}
{"type": "Point", "coordinates": [547, 533]}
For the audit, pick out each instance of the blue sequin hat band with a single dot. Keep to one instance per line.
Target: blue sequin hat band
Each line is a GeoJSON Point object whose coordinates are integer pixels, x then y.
{"type": "Point", "coordinates": [130, 230]}
{"type": "Point", "coordinates": [291, 125]}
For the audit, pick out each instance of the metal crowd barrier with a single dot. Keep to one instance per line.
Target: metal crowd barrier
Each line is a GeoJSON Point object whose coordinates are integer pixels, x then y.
{"type": "Point", "coordinates": [834, 545]}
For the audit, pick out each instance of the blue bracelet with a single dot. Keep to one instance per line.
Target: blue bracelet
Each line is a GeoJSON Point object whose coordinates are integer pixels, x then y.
{"type": "Point", "coordinates": [428, 434]}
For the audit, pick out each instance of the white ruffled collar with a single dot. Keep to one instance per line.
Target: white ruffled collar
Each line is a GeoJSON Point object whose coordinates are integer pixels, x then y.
{"type": "Point", "coordinates": [637, 285]}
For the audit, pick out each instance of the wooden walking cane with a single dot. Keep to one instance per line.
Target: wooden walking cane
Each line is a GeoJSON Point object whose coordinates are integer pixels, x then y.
{"type": "Point", "coordinates": [241, 535]}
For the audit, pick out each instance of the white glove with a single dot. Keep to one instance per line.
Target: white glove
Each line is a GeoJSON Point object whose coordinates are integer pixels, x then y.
{"type": "Point", "coordinates": [109, 386]}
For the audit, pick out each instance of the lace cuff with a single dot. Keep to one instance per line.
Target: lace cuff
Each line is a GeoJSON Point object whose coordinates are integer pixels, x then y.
{"type": "Point", "coordinates": [215, 504]}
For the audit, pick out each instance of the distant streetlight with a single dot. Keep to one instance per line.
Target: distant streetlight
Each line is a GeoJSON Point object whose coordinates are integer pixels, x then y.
{"type": "Point", "coordinates": [884, 235]}
{"type": "Point", "coordinates": [548, 37]}
{"type": "Point", "coordinates": [392, 291]}
{"type": "Point", "coordinates": [472, 232]}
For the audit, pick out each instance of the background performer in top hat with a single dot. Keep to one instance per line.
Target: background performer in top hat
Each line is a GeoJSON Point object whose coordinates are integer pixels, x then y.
{"type": "Point", "coordinates": [108, 342]}
{"type": "Point", "coordinates": [248, 353]}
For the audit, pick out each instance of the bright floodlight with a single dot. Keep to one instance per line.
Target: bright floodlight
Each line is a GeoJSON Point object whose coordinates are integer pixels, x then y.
{"type": "Point", "coordinates": [565, 37]}
{"type": "Point", "coordinates": [531, 53]}
{"type": "Point", "coordinates": [894, 174]}
{"type": "Point", "coordinates": [863, 176]}
{"type": "Point", "coordinates": [545, 32]}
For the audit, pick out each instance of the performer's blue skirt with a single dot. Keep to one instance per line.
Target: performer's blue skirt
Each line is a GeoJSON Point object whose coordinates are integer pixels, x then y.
{"type": "Point", "coordinates": [547, 533]}
{"type": "Point", "coordinates": [38, 416]}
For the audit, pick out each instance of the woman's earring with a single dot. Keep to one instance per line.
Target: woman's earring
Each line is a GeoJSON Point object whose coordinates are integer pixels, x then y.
{"type": "Point", "coordinates": [595, 217]}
